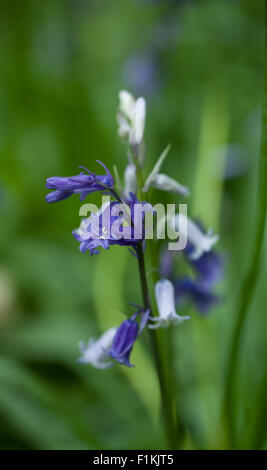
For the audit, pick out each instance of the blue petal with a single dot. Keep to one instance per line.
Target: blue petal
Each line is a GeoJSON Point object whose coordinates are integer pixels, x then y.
{"type": "Point", "coordinates": [57, 195]}
{"type": "Point", "coordinates": [123, 342]}
{"type": "Point", "coordinates": [201, 295]}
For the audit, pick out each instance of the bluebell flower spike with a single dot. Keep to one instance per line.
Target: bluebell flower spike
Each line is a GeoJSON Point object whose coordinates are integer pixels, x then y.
{"type": "Point", "coordinates": [116, 224]}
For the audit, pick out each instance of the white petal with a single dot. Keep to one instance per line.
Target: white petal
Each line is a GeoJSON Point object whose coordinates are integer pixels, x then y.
{"type": "Point", "coordinates": [176, 319]}
{"type": "Point", "coordinates": [156, 169]}
{"type": "Point", "coordinates": [165, 297]}
{"type": "Point", "coordinates": [82, 346]}
{"type": "Point", "coordinates": [202, 242]}
{"type": "Point", "coordinates": [205, 247]}
{"type": "Point", "coordinates": [166, 183]}
{"type": "Point", "coordinates": [160, 324]}
{"type": "Point", "coordinates": [130, 181]}
{"type": "Point", "coordinates": [127, 104]}
{"type": "Point", "coordinates": [102, 365]}
{"type": "Point", "coordinates": [105, 341]}
{"type": "Point", "coordinates": [96, 352]}
{"type": "Point", "coordinates": [124, 127]}
{"type": "Point", "coordinates": [138, 122]}
{"type": "Point", "coordinates": [173, 319]}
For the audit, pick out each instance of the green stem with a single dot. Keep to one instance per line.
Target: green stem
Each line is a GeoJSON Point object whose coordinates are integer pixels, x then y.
{"type": "Point", "coordinates": [169, 349]}
{"type": "Point", "coordinates": [167, 408]}
{"type": "Point", "coordinates": [250, 281]}
{"type": "Point", "coordinates": [164, 370]}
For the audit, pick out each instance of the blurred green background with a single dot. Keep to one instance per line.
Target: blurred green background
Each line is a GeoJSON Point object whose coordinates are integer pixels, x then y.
{"type": "Point", "coordinates": [200, 66]}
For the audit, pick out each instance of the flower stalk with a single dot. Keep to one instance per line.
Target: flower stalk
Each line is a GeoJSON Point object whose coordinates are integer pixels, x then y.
{"type": "Point", "coordinates": [169, 414]}
{"type": "Point", "coordinates": [116, 344]}
{"type": "Point", "coordinates": [165, 371]}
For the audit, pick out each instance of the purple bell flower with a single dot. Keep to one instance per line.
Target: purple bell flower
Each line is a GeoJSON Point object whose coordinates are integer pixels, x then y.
{"type": "Point", "coordinates": [91, 244]}
{"type": "Point", "coordinates": [209, 267]}
{"type": "Point", "coordinates": [58, 195]}
{"type": "Point", "coordinates": [200, 294]}
{"type": "Point", "coordinates": [82, 184]}
{"type": "Point", "coordinates": [110, 227]}
{"type": "Point", "coordinates": [124, 340]}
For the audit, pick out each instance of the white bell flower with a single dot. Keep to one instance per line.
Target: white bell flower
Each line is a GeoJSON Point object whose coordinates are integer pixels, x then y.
{"type": "Point", "coordinates": [131, 117]}
{"type": "Point", "coordinates": [127, 104]}
{"type": "Point", "coordinates": [138, 122]}
{"type": "Point", "coordinates": [166, 183]}
{"type": "Point", "coordinates": [201, 241]}
{"type": "Point", "coordinates": [165, 297]}
{"type": "Point", "coordinates": [124, 127]}
{"type": "Point", "coordinates": [96, 351]}
{"type": "Point", "coordinates": [161, 181]}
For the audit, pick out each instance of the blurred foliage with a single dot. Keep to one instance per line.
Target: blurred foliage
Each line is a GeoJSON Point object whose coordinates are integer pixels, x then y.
{"type": "Point", "coordinates": [200, 66]}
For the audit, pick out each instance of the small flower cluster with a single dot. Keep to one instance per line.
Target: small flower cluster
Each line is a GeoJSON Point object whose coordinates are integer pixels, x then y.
{"type": "Point", "coordinates": [95, 231]}
{"type": "Point", "coordinates": [117, 343]}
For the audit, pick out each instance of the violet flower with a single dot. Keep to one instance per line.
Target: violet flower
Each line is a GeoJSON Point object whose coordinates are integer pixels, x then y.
{"type": "Point", "coordinates": [200, 294]}
{"type": "Point", "coordinates": [108, 227]}
{"type": "Point", "coordinates": [115, 343]}
{"type": "Point", "coordinates": [82, 184]}
{"type": "Point", "coordinates": [124, 340]}
{"type": "Point", "coordinates": [208, 271]}
{"type": "Point", "coordinates": [209, 267]}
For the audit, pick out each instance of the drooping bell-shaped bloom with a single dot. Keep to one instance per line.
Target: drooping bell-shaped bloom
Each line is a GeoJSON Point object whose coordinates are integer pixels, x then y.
{"type": "Point", "coordinates": [126, 104]}
{"type": "Point", "coordinates": [90, 244]}
{"type": "Point", "coordinates": [165, 298]}
{"type": "Point", "coordinates": [58, 195]}
{"type": "Point", "coordinates": [114, 224]}
{"type": "Point", "coordinates": [123, 341]}
{"type": "Point", "coordinates": [124, 126]}
{"type": "Point", "coordinates": [201, 242]}
{"type": "Point", "coordinates": [207, 271]}
{"type": "Point", "coordinates": [96, 352]}
{"type": "Point", "coordinates": [165, 183]}
{"type": "Point", "coordinates": [131, 118]}
{"type": "Point", "coordinates": [138, 122]}
{"type": "Point", "coordinates": [161, 181]}
{"type": "Point", "coordinates": [200, 294]}
{"type": "Point", "coordinates": [209, 268]}
{"type": "Point", "coordinates": [82, 184]}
